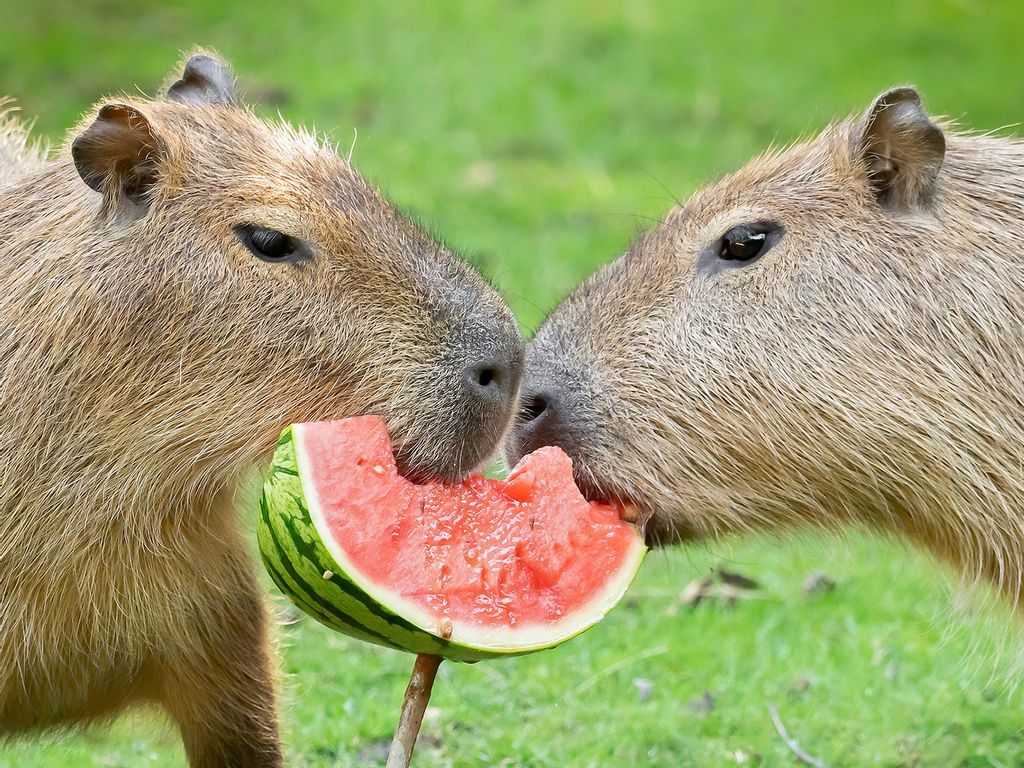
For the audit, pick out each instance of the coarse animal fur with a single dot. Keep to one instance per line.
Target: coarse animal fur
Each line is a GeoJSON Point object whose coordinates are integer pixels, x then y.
{"type": "Point", "coordinates": [148, 361]}
{"type": "Point", "coordinates": [18, 155]}
{"type": "Point", "coordinates": [866, 369]}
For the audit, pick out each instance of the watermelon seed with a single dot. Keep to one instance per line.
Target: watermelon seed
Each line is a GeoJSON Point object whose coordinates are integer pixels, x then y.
{"type": "Point", "coordinates": [327, 575]}
{"type": "Point", "coordinates": [378, 469]}
{"type": "Point", "coordinates": [446, 628]}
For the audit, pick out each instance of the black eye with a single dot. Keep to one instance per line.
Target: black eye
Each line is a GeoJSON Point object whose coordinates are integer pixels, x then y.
{"type": "Point", "coordinates": [268, 244]}
{"type": "Point", "coordinates": [743, 243]}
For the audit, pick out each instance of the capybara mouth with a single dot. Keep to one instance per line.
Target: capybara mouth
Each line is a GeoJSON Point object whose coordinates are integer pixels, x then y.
{"type": "Point", "coordinates": [630, 511]}
{"type": "Point", "coordinates": [591, 490]}
{"type": "Point", "coordinates": [665, 530]}
{"type": "Point", "coordinates": [659, 527]}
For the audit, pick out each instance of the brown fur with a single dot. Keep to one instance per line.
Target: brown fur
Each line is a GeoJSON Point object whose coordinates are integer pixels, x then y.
{"type": "Point", "coordinates": [868, 369]}
{"type": "Point", "coordinates": [18, 155]}
{"type": "Point", "coordinates": [148, 361]}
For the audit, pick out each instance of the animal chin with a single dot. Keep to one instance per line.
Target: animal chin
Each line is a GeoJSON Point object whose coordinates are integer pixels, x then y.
{"type": "Point", "coordinates": [664, 530]}
{"type": "Point", "coordinates": [416, 471]}
{"type": "Point", "coordinates": [430, 466]}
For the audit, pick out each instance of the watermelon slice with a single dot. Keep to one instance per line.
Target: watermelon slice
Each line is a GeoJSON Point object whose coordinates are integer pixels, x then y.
{"type": "Point", "coordinates": [469, 571]}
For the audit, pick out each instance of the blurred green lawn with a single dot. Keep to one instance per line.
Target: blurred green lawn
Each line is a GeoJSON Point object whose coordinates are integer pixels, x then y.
{"type": "Point", "coordinates": [538, 137]}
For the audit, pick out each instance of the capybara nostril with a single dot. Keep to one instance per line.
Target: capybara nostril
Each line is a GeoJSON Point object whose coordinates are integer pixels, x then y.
{"type": "Point", "coordinates": [492, 382]}
{"type": "Point", "coordinates": [534, 408]}
{"type": "Point", "coordinates": [487, 376]}
{"type": "Point", "coordinates": [540, 423]}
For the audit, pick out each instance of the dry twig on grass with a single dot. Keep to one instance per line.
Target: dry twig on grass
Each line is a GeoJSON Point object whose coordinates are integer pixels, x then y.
{"type": "Point", "coordinates": [790, 741]}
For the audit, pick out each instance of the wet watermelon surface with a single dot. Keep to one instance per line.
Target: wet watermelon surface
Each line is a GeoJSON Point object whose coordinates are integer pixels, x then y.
{"type": "Point", "coordinates": [493, 553]}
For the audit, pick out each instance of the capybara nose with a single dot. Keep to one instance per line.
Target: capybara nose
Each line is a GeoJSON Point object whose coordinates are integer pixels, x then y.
{"type": "Point", "coordinates": [539, 422]}
{"type": "Point", "coordinates": [491, 377]}
{"type": "Point", "coordinates": [493, 382]}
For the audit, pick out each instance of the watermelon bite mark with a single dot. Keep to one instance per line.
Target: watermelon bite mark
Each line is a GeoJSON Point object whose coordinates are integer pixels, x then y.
{"type": "Point", "coordinates": [471, 570]}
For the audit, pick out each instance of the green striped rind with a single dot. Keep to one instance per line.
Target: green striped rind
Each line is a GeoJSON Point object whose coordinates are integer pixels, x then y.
{"type": "Point", "coordinates": [296, 560]}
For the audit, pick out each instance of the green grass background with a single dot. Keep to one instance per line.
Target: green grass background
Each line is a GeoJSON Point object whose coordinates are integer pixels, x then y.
{"type": "Point", "coordinates": [539, 137]}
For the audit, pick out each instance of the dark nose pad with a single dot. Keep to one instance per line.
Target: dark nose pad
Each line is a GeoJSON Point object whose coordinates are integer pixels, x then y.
{"type": "Point", "coordinates": [538, 423]}
{"type": "Point", "coordinates": [492, 383]}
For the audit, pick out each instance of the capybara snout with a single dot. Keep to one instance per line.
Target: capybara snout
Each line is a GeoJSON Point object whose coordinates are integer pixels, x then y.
{"type": "Point", "coordinates": [830, 335]}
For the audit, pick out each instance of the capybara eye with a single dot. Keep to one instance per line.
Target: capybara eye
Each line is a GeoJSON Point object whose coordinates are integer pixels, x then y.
{"type": "Point", "coordinates": [742, 245]}
{"type": "Point", "coordinates": [747, 242]}
{"type": "Point", "coordinates": [268, 244]}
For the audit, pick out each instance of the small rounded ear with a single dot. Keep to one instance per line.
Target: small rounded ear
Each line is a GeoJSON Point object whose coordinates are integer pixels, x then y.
{"type": "Point", "coordinates": [206, 80]}
{"type": "Point", "coordinates": [901, 148]}
{"type": "Point", "coordinates": [118, 155]}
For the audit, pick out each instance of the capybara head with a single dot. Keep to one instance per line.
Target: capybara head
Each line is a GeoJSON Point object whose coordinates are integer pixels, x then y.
{"type": "Point", "coordinates": [831, 333]}
{"type": "Point", "coordinates": [234, 275]}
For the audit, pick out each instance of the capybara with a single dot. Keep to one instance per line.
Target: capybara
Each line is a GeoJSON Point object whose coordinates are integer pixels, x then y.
{"type": "Point", "coordinates": [182, 281]}
{"type": "Point", "coordinates": [830, 336]}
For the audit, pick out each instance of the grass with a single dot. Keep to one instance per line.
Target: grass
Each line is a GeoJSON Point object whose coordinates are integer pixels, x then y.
{"type": "Point", "coordinates": [538, 137]}
{"type": "Point", "coordinates": [868, 675]}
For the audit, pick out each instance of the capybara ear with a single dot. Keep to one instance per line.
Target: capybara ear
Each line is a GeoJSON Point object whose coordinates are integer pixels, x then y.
{"type": "Point", "coordinates": [901, 149]}
{"type": "Point", "coordinates": [205, 80]}
{"type": "Point", "coordinates": [118, 155]}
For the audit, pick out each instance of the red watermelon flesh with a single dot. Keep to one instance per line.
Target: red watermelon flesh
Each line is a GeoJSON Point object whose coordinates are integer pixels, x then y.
{"type": "Point", "coordinates": [491, 553]}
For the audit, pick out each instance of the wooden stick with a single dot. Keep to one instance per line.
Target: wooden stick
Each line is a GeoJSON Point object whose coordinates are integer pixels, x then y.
{"type": "Point", "coordinates": [417, 694]}
{"type": "Point", "coordinates": [790, 741]}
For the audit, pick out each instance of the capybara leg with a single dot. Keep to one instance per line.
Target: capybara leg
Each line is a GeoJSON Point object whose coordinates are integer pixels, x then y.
{"type": "Point", "coordinates": [222, 698]}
